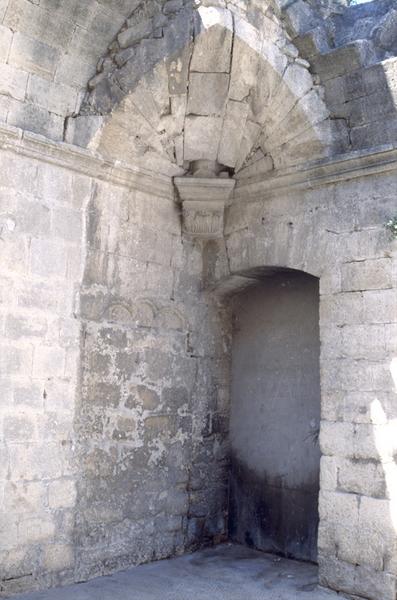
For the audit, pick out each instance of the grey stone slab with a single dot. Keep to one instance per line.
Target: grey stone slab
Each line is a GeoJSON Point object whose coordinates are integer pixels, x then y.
{"type": "Point", "coordinates": [344, 60]}
{"type": "Point", "coordinates": [213, 45]}
{"type": "Point", "coordinates": [207, 93]}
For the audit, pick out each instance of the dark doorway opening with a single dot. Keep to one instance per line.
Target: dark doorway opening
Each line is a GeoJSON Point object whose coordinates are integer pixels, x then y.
{"type": "Point", "coordinates": [275, 415]}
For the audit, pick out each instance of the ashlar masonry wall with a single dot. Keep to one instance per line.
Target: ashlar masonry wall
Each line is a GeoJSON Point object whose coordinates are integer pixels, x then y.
{"type": "Point", "coordinates": [42, 230]}
{"type": "Point", "coordinates": [336, 232]}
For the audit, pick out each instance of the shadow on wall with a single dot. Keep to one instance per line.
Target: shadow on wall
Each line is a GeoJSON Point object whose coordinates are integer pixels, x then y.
{"type": "Point", "coordinates": [361, 91]}
{"type": "Point", "coordinates": [275, 415]}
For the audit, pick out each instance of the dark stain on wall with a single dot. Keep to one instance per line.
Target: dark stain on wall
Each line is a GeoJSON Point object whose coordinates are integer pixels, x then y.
{"type": "Point", "coordinates": [275, 415]}
{"type": "Point", "coordinates": [268, 516]}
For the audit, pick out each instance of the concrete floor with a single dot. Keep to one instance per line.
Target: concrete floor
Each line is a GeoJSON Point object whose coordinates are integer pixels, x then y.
{"type": "Point", "coordinates": [227, 572]}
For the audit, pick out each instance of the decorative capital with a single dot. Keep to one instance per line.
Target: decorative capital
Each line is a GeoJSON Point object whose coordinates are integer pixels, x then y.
{"type": "Point", "coordinates": [203, 204]}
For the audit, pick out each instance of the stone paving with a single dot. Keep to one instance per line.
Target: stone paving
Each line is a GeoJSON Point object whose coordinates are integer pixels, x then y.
{"type": "Point", "coordinates": [227, 572]}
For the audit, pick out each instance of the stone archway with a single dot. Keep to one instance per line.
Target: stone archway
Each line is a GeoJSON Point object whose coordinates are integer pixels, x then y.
{"type": "Point", "coordinates": [202, 90]}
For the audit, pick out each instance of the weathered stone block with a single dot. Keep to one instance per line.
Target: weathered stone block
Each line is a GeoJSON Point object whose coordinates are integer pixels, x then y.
{"type": "Point", "coordinates": [337, 439]}
{"type": "Point", "coordinates": [31, 19]}
{"type": "Point", "coordinates": [375, 133]}
{"type": "Point", "coordinates": [344, 60]}
{"type": "Point", "coordinates": [356, 579]}
{"type": "Point", "coordinates": [33, 55]}
{"type": "Point", "coordinates": [35, 119]}
{"type": "Point", "coordinates": [8, 532]}
{"type": "Point", "coordinates": [198, 144]}
{"type": "Point", "coordinates": [379, 306]}
{"type": "Point", "coordinates": [172, 6]}
{"type": "Point", "coordinates": [13, 82]}
{"type": "Point", "coordinates": [125, 428]}
{"type": "Point", "coordinates": [5, 42]}
{"type": "Point", "coordinates": [25, 497]}
{"type": "Point", "coordinates": [329, 473]}
{"type": "Point", "coordinates": [135, 34]}
{"type": "Point", "coordinates": [18, 326]}
{"type": "Point", "coordinates": [363, 342]}
{"type": "Point", "coordinates": [62, 494]}
{"type": "Point", "coordinates": [385, 32]}
{"type": "Point", "coordinates": [84, 131]}
{"type": "Point", "coordinates": [361, 476]}
{"type": "Point", "coordinates": [312, 42]}
{"type": "Point", "coordinates": [67, 224]}
{"type": "Point", "coordinates": [157, 426]}
{"type": "Point", "coordinates": [377, 545]}
{"type": "Point", "coordinates": [71, 68]}
{"type": "Point", "coordinates": [15, 360]}
{"type": "Point", "coordinates": [48, 258]}
{"type": "Point", "coordinates": [244, 71]}
{"type": "Point", "coordinates": [19, 428]}
{"type": "Point", "coordinates": [379, 441]}
{"type": "Point", "coordinates": [48, 361]}
{"type": "Point", "coordinates": [341, 309]}
{"type": "Point", "coordinates": [212, 47]}
{"type": "Point", "coordinates": [36, 461]}
{"type": "Point", "coordinates": [55, 97]}
{"type": "Point", "coordinates": [207, 93]}
{"type": "Point", "coordinates": [148, 398]}
{"type": "Point", "coordinates": [36, 529]}
{"type": "Point", "coordinates": [350, 375]}
{"type": "Point", "coordinates": [229, 146]}
{"type": "Point", "coordinates": [301, 17]}
{"type": "Point", "coordinates": [4, 461]}
{"type": "Point", "coordinates": [58, 557]}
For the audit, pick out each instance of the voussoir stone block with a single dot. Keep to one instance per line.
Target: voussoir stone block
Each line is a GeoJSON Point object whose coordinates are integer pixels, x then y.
{"type": "Point", "coordinates": [207, 93]}
{"type": "Point", "coordinates": [230, 144]}
{"type": "Point", "coordinates": [198, 145]}
{"type": "Point", "coordinates": [213, 45]}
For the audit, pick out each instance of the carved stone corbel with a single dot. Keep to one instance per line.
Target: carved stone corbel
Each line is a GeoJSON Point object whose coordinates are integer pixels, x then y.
{"type": "Point", "coordinates": [203, 204]}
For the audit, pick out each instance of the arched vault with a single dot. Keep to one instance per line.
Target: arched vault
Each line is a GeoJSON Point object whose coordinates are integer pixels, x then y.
{"type": "Point", "coordinates": [199, 89]}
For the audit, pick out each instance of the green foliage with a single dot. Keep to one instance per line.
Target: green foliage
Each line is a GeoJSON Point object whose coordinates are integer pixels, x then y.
{"type": "Point", "coordinates": [391, 225]}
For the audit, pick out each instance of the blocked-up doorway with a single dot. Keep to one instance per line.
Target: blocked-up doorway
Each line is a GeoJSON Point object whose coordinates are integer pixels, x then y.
{"type": "Point", "coordinates": [275, 415]}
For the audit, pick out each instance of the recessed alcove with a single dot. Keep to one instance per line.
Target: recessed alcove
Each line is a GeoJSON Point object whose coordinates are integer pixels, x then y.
{"type": "Point", "coordinates": [275, 415]}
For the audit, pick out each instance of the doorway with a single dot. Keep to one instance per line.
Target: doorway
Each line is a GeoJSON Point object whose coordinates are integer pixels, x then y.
{"type": "Point", "coordinates": [275, 415]}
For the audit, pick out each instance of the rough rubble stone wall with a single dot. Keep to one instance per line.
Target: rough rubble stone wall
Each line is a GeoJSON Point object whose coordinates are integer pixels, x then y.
{"type": "Point", "coordinates": [113, 417]}
{"type": "Point", "coordinates": [152, 416]}
{"type": "Point", "coordinates": [337, 233]}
